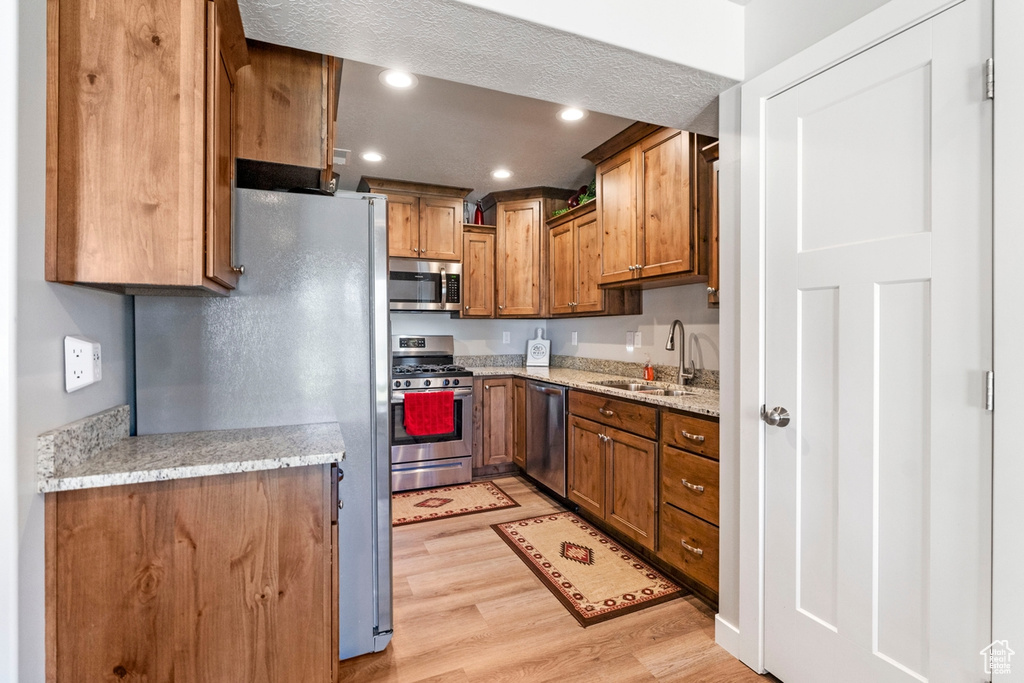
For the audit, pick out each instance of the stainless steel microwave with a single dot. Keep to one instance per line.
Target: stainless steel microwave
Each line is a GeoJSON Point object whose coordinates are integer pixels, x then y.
{"type": "Point", "coordinates": [416, 285]}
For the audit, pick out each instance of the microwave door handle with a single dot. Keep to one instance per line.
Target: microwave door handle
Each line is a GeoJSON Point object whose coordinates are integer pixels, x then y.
{"type": "Point", "coordinates": [444, 290]}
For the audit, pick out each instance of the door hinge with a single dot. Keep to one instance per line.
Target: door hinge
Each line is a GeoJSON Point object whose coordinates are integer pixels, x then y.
{"type": "Point", "coordinates": [990, 78]}
{"type": "Point", "coordinates": [990, 391]}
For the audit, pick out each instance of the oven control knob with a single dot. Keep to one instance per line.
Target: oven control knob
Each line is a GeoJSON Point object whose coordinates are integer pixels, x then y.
{"type": "Point", "coordinates": [397, 384]}
{"type": "Point", "coordinates": [455, 382]}
{"type": "Point", "coordinates": [426, 382]}
{"type": "Point", "coordinates": [408, 383]}
{"type": "Point", "coordinates": [447, 382]}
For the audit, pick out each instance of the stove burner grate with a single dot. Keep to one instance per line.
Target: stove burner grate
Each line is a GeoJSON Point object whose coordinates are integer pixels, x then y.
{"type": "Point", "coordinates": [411, 369]}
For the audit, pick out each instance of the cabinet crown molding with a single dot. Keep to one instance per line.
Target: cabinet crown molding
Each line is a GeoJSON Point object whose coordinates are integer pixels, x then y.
{"type": "Point", "coordinates": [385, 185]}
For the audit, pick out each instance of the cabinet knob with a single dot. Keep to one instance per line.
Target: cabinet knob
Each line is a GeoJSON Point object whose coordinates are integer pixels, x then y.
{"type": "Point", "coordinates": [487, 387]}
{"type": "Point", "coordinates": [501, 308]}
{"type": "Point", "coordinates": [467, 307]}
{"type": "Point", "coordinates": [639, 266]}
{"type": "Point", "coordinates": [238, 269]}
{"type": "Point", "coordinates": [632, 268]}
{"type": "Point", "coordinates": [712, 290]}
{"type": "Point", "coordinates": [332, 186]}
{"type": "Point", "coordinates": [606, 412]}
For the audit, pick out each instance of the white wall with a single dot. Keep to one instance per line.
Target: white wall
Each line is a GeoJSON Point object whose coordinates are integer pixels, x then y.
{"type": "Point", "coordinates": [472, 337]}
{"type": "Point", "coordinates": [775, 30]}
{"type": "Point", "coordinates": [606, 337]}
{"type": "Point", "coordinates": [8, 282]}
{"type": "Point", "coordinates": [45, 313]}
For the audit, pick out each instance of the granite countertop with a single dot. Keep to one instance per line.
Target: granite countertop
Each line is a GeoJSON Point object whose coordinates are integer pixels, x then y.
{"type": "Point", "coordinates": [97, 451]}
{"type": "Point", "coordinates": [703, 401]}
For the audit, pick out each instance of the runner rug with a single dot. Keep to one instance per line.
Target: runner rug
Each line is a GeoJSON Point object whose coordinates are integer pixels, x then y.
{"type": "Point", "coordinates": [594, 577]}
{"type": "Point", "coordinates": [410, 507]}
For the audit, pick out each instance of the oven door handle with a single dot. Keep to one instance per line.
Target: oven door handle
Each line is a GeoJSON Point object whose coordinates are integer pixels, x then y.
{"type": "Point", "coordinates": [399, 396]}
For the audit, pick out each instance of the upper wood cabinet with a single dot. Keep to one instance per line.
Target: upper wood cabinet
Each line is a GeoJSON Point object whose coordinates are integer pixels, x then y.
{"type": "Point", "coordinates": [424, 221]}
{"type": "Point", "coordinates": [139, 158]}
{"type": "Point", "coordinates": [709, 203]}
{"type": "Point", "coordinates": [287, 110]}
{"type": "Point", "coordinates": [653, 229]}
{"type": "Point", "coordinates": [477, 273]}
{"type": "Point", "coordinates": [575, 256]}
{"type": "Point", "coordinates": [521, 245]}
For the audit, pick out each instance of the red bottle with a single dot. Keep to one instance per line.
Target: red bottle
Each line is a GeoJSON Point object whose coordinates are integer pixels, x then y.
{"type": "Point", "coordinates": [478, 217]}
{"type": "Point", "coordinates": [648, 372]}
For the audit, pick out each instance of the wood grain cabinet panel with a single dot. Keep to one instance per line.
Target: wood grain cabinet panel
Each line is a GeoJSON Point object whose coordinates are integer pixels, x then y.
{"type": "Point", "coordinates": [403, 225]}
{"type": "Point", "coordinates": [665, 235]}
{"type": "Point", "coordinates": [689, 544]}
{"type": "Point", "coordinates": [478, 275]}
{"type": "Point", "coordinates": [617, 216]}
{"type": "Point", "coordinates": [139, 162]}
{"type": "Point", "coordinates": [220, 578]}
{"type": "Point", "coordinates": [586, 465]}
{"type": "Point", "coordinates": [625, 415]}
{"type": "Point", "coordinates": [690, 482]}
{"type": "Point", "coordinates": [631, 464]}
{"type": "Point", "coordinates": [563, 270]}
{"type": "Point", "coordinates": [498, 417]}
{"type": "Point", "coordinates": [520, 268]}
{"type": "Point", "coordinates": [287, 108]}
{"type": "Point", "coordinates": [590, 298]}
{"type": "Point", "coordinates": [690, 433]}
{"type": "Point", "coordinates": [519, 449]}
{"type": "Point", "coordinates": [440, 228]}
{"type": "Point", "coordinates": [424, 220]}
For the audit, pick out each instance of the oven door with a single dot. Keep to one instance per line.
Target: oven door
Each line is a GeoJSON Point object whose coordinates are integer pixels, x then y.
{"type": "Point", "coordinates": [424, 285]}
{"type": "Point", "coordinates": [455, 444]}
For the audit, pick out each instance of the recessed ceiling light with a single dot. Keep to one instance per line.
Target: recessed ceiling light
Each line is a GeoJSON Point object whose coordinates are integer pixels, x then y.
{"type": "Point", "coordinates": [372, 156]}
{"type": "Point", "coordinates": [572, 114]}
{"type": "Point", "coordinates": [501, 174]}
{"type": "Point", "coordinates": [394, 78]}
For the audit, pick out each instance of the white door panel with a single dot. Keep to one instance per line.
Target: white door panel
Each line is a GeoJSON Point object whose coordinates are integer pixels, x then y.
{"type": "Point", "coordinates": [878, 333]}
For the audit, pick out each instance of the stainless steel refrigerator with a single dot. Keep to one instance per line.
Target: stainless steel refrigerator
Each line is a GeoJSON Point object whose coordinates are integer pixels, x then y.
{"type": "Point", "coordinates": [304, 339]}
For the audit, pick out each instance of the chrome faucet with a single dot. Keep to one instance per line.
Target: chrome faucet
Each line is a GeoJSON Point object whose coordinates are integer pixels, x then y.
{"type": "Point", "coordinates": [670, 345]}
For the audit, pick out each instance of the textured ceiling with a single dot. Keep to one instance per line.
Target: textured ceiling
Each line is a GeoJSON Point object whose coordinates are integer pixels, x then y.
{"type": "Point", "coordinates": [452, 134]}
{"type": "Point", "coordinates": [458, 42]}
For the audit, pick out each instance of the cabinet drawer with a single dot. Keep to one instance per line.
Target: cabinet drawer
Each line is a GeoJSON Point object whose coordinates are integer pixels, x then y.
{"type": "Point", "coordinates": [699, 495]}
{"type": "Point", "coordinates": [700, 563]}
{"type": "Point", "coordinates": [690, 433]}
{"type": "Point", "coordinates": [625, 415]}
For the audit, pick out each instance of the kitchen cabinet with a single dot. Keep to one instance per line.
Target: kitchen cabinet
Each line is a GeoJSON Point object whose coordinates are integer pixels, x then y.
{"type": "Point", "coordinates": [652, 227]}
{"type": "Point", "coordinates": [519, 423]}
{"type": "Point", "coordinates": [521, 248]}
{"type": "Point", "coordinates": [424, 221]}
{"type": "Point", "coordinates": [477, 272]}
{"type": "Point", "coordinates": [688, 538]}
{"type": "Point", "coordinates": [140, 156]}
{"type": "Point", "coordinates": [709, 201]}
{"type": "Point", "coordinates": [575, 254]}
{"type": "Point", "coordinates": [613, 463]}
{"type": "Point", "coordinates": [498, 420]}
{"type": "Point", "coordinates": [287, 110]}
{"type": "Point", "coordinates": [225, 577]}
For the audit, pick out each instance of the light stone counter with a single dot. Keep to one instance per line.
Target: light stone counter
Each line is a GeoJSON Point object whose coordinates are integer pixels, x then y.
{"type": "Point", "coordinates": [97, 451]}
{"type": "Point", "coordinates": [703, 401]}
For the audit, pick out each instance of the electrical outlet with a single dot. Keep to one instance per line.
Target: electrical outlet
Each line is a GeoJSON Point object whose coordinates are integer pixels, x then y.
{"type": "Point", "coordinates": [83, 363]}
{"type": "Point", "coordinates": [506, 338]}
{"type": "Point", "coordinates": [636, 339]}
{"type": "Point", "coordinates": [575, 339]}
{"type": "Point", "coordinates": [629, 341]}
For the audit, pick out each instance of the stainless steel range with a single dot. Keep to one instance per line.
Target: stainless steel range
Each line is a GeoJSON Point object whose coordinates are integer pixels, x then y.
{"type": "Point", "coordinates": [425, 364]}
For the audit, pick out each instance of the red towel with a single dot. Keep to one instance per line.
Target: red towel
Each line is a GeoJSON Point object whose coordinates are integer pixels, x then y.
{"type": "Point", "coordinates": [429, 412]}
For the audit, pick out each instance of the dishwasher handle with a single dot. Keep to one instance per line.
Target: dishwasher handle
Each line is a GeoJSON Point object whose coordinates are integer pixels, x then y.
{"type": "Point", "coordinates": [545, 390]}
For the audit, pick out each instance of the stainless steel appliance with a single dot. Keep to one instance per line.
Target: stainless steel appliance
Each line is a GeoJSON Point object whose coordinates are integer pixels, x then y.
{"type": "Point", "coordinates": [416, 285]}
{"type": "Point", "coordinates": [303, 339]}
{"type": "Point", "coordinates": [424, 363]}
{"type": "Point", "coordinates": [546, 409]}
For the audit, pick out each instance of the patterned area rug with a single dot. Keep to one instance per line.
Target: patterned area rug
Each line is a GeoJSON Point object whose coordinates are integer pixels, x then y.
{"type": "Point", "coordinates": [410, 507]}
{"type": "Point", "coordinates": [588, 572]}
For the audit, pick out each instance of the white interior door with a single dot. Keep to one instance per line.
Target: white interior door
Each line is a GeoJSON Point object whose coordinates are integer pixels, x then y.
{"type": "Point", "coordinates": [878, 337]}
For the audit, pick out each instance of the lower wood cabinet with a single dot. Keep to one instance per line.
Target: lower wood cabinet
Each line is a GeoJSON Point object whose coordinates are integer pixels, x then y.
{"type": "Point", "coordinates": [612, 472]}
{"type": "Point", "coordinates": [519, 424]}
{"type": "Point", "coordinates": [221, 578]}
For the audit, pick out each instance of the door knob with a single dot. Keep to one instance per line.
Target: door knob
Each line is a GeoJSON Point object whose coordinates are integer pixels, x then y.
{"type": "Point", "coordinates": [776, 417]}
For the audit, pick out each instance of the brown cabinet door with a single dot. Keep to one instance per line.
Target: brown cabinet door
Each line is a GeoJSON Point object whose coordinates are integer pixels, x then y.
{"type": "Point", "coordinates": [519, 448]}
{"type": "Point", "coordinates": [590, 297]}
{"type": "Point", "coordinates": [497, 421]}
{"type": "Point", "coordinates": [617, 216]}
{"type": "Point", "coordinates": [403, 226]}
{"type": "Point", "coordinates": [477, 275]}
{"type": "Point", "coordinates": [222, 578]}
{"type": "Point", "coordinates": [519, 258]}
{"type": "Point", "coordinates": [440, 228]}
{"type": "Point", "coordinates": [563, 274]}
{"type": "Point", "coordinates": [220, 160]}
{"type": "Point", "coordinates": [586, 465]}
{"type": "Point", "coordinates": [632, 485]}
{"type": "Point", "coordinates": [665, 236]}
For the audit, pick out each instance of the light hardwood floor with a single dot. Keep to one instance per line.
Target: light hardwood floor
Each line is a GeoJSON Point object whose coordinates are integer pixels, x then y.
{"type": "Point", "coordinates": [467, 610]}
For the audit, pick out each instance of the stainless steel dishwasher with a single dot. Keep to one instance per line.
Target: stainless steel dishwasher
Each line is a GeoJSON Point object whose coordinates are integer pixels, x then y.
{"type": "Point", "coordinates": [546, 408]}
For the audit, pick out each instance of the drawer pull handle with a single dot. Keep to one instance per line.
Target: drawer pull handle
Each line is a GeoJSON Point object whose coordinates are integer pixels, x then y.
{"type": "Point", "coordinates": [693, 437]}
{"type": "Point", "coordinates": [695, 551]}
{"type": "Point", "coordinates": [606, 412]}
{"type": "Point", "coordinates": [694, 487]}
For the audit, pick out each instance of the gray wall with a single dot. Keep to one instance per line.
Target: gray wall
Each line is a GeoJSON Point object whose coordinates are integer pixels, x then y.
{"type": "Point", "coordinates": [46, 313]}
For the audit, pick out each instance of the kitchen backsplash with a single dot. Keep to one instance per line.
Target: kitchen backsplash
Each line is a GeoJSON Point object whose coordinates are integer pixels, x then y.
{"type": "Point", "coordinates": [510, 360]}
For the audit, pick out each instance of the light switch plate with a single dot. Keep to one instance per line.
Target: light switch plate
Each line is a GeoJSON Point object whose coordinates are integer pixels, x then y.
{"type": "Point", "coordinates": [636, 339]}
{"type": "Point", "coordinates": [629, 341]}
{"type": "Point", "coordinates": [82, 363]}
{"type": "Point", "coordinates": [506, 338]}
{"type": "Point", "coordinates": [575, 339]}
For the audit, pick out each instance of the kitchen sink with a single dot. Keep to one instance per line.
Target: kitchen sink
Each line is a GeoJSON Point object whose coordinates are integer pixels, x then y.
{"type": "Point", "coordinates": [639, 388]}
{"type": "Point", "coordinates": [669, 392]}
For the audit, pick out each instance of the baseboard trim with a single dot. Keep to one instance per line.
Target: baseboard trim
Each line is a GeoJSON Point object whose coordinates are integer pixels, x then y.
{"type": "Point", "coordinates": [727, 636]}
